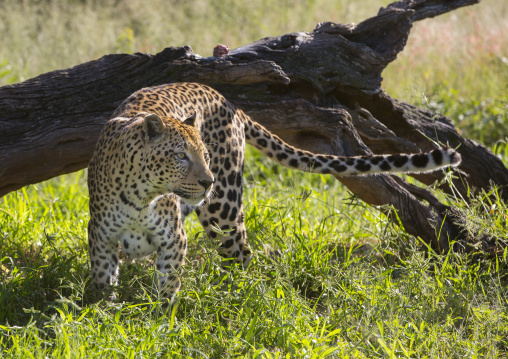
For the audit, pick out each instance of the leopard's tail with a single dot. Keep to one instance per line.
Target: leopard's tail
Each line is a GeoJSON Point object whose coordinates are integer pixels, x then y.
{"type": "Point", "coordinates": [292, 157]}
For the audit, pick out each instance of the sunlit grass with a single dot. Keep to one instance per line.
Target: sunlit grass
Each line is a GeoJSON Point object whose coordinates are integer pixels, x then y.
{"type": "Point", "coordinates": [330, 278]}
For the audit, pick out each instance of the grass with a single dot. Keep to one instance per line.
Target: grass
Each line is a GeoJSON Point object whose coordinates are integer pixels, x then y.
{"type": "Point", "coordinates": [331, 277]}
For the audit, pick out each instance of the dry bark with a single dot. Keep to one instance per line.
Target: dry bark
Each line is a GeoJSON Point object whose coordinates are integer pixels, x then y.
{"type": "Point", "coordinates": [320, 91]}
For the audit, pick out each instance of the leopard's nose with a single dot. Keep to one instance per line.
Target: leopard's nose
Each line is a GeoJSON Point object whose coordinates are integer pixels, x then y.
{"type": "Point", "coordinates": [206, 183]}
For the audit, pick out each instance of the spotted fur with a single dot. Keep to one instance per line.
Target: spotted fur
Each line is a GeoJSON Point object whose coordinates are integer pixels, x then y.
{"type": "Point", "coordinates": [141, 167]}
{"type": "Point", "coordinates": [140, 194]}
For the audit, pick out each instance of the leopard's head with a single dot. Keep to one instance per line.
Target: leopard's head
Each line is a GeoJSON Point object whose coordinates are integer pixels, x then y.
{"type": "Point", "coordinates": [177, 160]}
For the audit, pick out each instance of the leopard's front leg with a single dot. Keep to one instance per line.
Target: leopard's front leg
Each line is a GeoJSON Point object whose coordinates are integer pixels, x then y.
{"type": "Point", "coordinates": [231, 234]}
{"type": "Point", "coordinates": [224, 209]}
{"type": "Point", "coordinates": [103, 257]}
{"type": "Point", "coordinates": [171, 241]}
{"type": "Point", "coordinates": [222, 217]}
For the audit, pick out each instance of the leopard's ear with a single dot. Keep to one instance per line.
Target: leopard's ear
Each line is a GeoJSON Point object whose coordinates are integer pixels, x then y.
{"type": "Point", "coordinates": [191, 121]}
{"type": "Point", "coordinates": [153, 127]}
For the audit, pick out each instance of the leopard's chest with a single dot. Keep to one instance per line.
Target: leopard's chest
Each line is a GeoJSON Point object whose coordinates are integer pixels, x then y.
{"type": "Point", "coordinates": [137, 243]}
{"type": "Point", "coordinates": [145, 233]}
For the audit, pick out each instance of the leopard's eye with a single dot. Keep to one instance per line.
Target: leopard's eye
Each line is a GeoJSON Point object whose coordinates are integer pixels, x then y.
{"type": "Point", "coordinates": [180, 155]}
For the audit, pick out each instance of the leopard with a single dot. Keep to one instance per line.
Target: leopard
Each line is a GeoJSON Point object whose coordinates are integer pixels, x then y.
{"type": "Point", "coordinates": [172, 149]}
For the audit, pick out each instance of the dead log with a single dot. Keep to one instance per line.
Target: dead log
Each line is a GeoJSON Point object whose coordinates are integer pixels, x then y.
{"type": "Point", "coordinates": [320, 91]}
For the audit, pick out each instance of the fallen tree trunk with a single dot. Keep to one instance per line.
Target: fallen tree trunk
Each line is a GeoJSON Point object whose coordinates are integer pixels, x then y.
{"type": "Point", "coordinates": [320, 91]}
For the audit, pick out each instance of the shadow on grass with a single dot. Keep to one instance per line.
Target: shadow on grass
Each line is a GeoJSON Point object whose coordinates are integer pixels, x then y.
{"type": "Point", "coordinates": [32, 284]}
{"type": "Point", "coordinates": [29, 287]}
